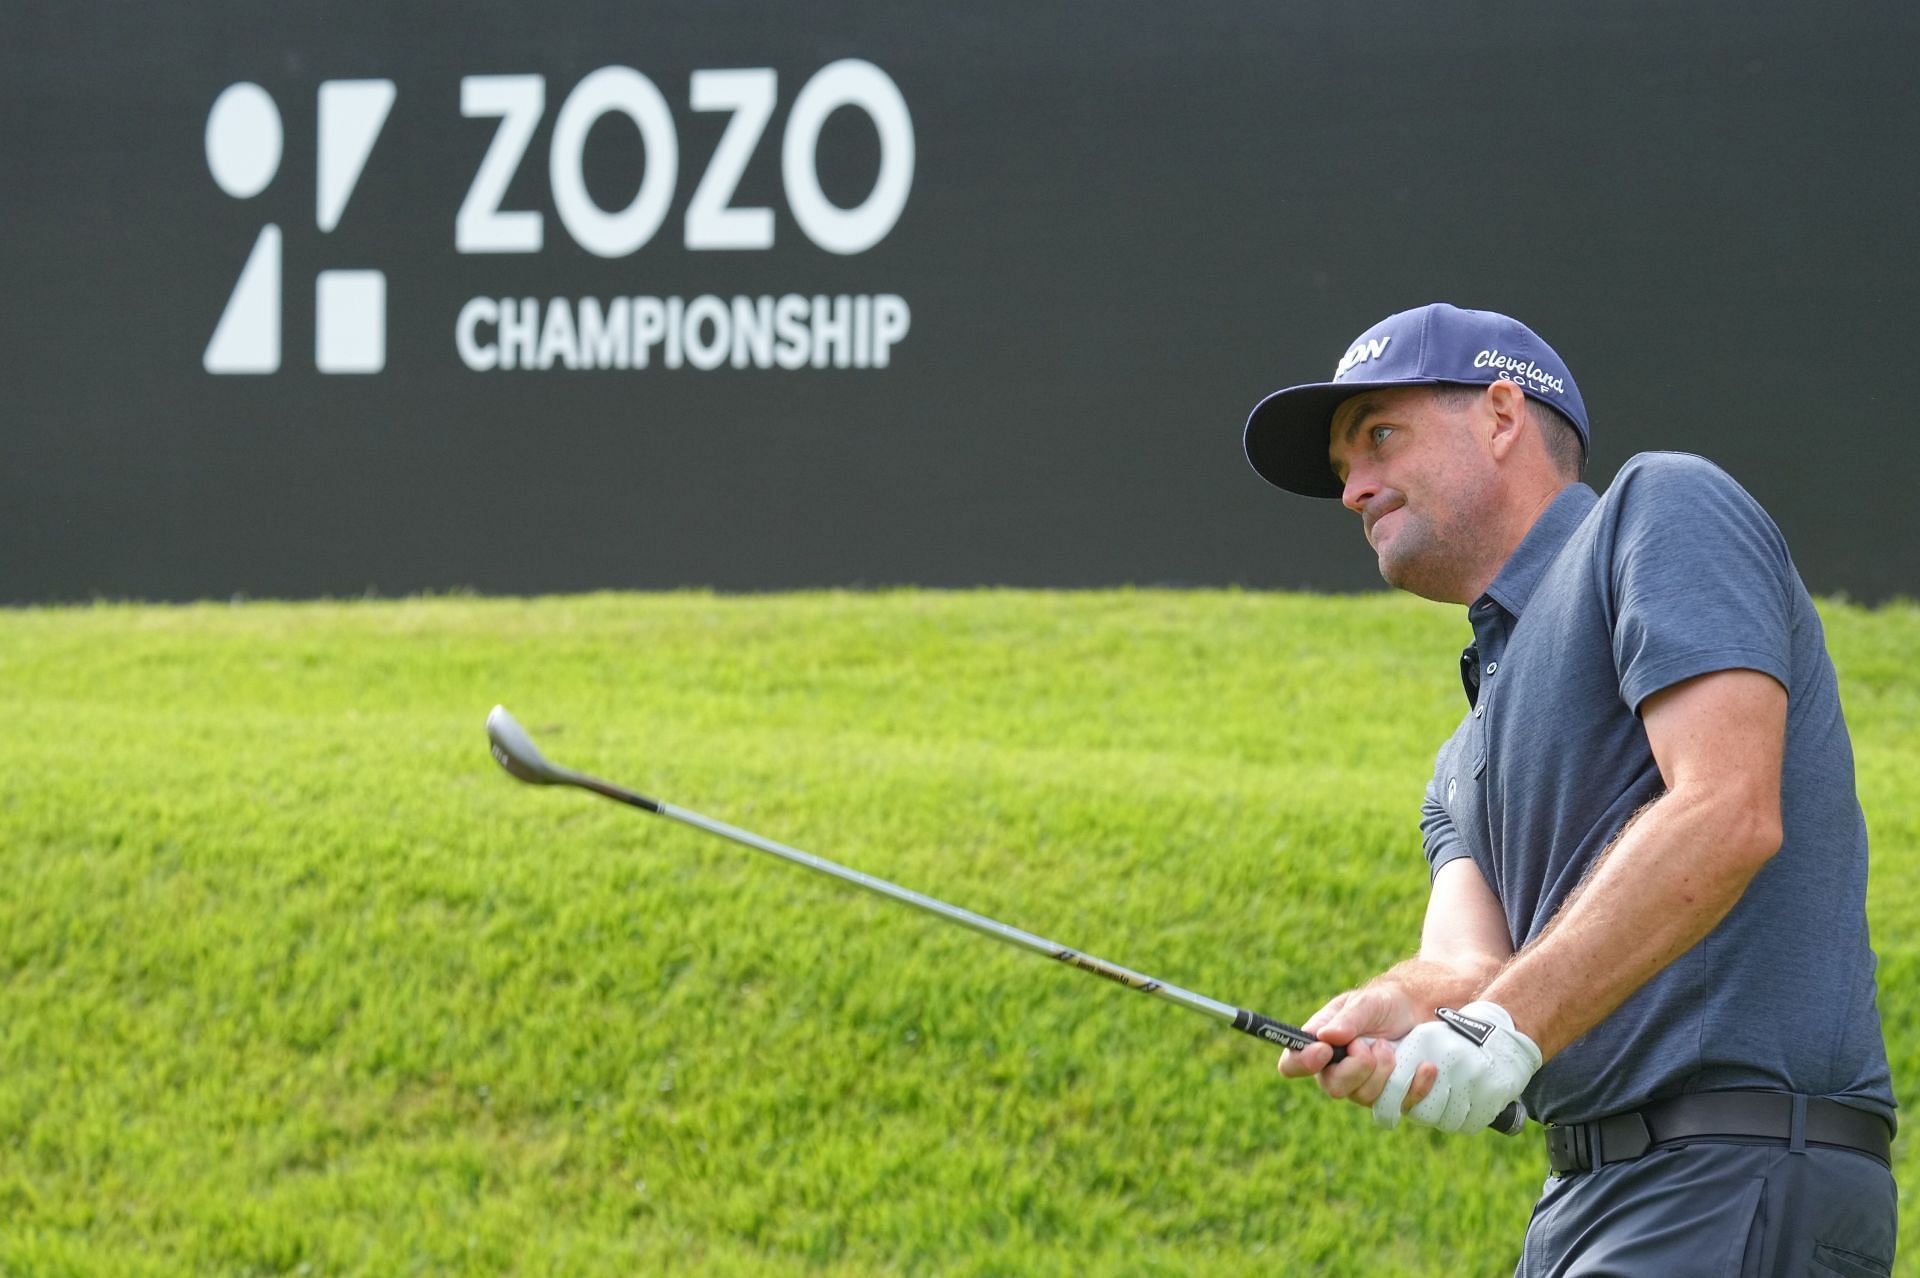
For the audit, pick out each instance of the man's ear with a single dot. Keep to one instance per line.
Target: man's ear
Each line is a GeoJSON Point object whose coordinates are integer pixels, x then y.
{"type": "Point", "coordinates": [1506, 405]}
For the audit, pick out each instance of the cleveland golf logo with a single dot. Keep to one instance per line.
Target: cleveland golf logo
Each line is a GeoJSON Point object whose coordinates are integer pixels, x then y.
{"type": "Point", "coordinates": [490, 332]}
{"type": "Point", "coordinates": [244, 142]}
{"type": "Point", "coordinates": [1522, 370]}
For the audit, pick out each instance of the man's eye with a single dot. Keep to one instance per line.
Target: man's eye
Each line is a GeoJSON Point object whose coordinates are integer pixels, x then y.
{"type": "Point", "coordinates": [1379, 434]}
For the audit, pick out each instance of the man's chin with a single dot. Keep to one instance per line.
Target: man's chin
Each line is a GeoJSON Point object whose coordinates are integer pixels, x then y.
{"type": "Point", "coordinates": [1394, 568]}
{"type": "Point", "coordinates": [1403, 572]}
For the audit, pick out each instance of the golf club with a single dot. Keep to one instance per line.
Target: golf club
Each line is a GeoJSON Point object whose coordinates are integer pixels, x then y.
{"type": "Point", "coordinates": [515, 751]}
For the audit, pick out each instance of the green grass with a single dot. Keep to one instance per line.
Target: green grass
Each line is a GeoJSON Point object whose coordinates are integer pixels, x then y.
{"type": "Point", "coordinates": [293, 980]}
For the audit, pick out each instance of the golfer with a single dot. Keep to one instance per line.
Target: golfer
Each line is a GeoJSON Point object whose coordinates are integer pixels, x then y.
{"type": "Point", "coordinates": [1649, 867]}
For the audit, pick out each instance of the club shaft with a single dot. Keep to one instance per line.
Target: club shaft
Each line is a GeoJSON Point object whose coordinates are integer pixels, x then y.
{"type": "Point", "coordinates": [1242, 1019]}
{"type": "Point", "coordinates": [1510, 1120]}
{"type": "Point", "coordinates": [1251, 1022]}
{"type": "Point", "coordinates": [518, 755]}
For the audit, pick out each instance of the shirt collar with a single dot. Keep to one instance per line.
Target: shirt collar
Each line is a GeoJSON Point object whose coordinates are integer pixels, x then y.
{"type": "Point", "coordinates": [1514, 583]}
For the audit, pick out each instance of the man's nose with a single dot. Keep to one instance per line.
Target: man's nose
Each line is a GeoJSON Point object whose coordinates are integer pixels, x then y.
{"type": "Point", "coordinates": [1360, 489]}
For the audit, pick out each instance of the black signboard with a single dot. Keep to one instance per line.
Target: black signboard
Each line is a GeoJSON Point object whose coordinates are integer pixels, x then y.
{"type": "Point", "coordinates": [319, 300]}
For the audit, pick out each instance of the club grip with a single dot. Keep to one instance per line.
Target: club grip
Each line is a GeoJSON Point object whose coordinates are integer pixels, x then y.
{"type": "Point", "coordinates": [1509, 1122]}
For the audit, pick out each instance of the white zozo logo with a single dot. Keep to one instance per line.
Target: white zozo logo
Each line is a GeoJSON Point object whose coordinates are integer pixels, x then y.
{"type": "Point", "coordinates": [244, 138]}
{"type": "Point", "coordinates": [768, 329]}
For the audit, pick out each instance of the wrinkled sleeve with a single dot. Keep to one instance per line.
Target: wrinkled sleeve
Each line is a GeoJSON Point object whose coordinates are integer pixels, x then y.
{"type": "Point", "coordinates": [1437, 834]}
{"type": "Point", "coordinates": [1699, 578]}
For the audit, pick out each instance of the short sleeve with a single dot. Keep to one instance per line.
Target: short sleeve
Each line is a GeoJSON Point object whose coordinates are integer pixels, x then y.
{"type": "Point", "coordinates": [1699, 577]}
{"type": "Point", "coordinates": [1438, 836]}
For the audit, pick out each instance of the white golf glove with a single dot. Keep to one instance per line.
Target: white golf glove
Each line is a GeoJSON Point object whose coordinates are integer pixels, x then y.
{"type": "Point", "coordinates": [1484, 1064]}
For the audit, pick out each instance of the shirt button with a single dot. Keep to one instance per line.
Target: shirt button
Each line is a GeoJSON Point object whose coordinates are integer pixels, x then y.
{"type": "Point", "coordinates": [1478, 711]}
{"type": "Point", "coordinates": [1493, 667]}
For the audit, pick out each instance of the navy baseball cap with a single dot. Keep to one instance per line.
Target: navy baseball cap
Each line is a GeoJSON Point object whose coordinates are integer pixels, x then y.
{"type": "Point", "coordinates": [1437, 344]}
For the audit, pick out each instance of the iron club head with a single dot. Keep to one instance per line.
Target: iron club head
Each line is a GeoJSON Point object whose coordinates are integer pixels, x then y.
{"type": "Point", "coordinates": [515, 751]}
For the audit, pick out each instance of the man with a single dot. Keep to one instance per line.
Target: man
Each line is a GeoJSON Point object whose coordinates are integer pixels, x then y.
{"type": "Point", "coordinates": [1648, 862]}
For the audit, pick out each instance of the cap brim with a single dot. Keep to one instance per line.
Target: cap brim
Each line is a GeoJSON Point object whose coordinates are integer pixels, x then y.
{"type": "Point", "coordinates": [1286, 436]}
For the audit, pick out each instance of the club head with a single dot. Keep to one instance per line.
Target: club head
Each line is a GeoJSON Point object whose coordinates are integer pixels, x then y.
{"type": "Point", "coordinates": [514, 750]}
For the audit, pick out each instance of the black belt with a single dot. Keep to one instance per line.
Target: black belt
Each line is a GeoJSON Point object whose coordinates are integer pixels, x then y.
{"type": "Point", "coordinates": [1738, 1117]}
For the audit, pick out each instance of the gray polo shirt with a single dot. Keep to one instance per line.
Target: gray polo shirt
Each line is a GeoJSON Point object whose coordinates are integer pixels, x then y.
{"type": "Point", "coordinates": [1675, 572]}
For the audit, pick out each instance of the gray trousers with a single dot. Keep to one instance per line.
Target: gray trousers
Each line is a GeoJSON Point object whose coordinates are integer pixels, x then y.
{"type": "Point", "coordinates": [1711, 1209]}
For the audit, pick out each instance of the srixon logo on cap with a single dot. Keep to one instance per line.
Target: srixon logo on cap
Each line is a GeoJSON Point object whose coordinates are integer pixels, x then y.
{"type": "Point", "coordinates": [1360, 352]}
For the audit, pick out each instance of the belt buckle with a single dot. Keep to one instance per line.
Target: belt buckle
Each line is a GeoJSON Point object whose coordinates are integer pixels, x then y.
{"type": "Point", "coordinates": [1583, 1147]}
{"type": "Point", "coordinates": [1621, 1138]}
{"type": "Point", "coordinates": [1569, 1149]}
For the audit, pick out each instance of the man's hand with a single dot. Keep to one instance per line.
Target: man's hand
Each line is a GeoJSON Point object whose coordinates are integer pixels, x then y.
{"type": "Point", "coordinates": [1462, 944]}
{"type": "Point", "coordinates": [1480, 1064]}
{"type": "Point", "coordinates": [1364, 1021]}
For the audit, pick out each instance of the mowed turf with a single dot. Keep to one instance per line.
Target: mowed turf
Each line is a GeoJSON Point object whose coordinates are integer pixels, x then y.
{"type": "Point", "coordinates": [294, 980]}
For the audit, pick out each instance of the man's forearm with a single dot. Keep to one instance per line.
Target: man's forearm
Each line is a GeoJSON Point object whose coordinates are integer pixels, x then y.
{"type": "Point", "coordinates": [1463, 943]}
{"type": "Point", "coordinates": [1671, 876]}
{"type": "Point", "coordinates": [1430, 982]}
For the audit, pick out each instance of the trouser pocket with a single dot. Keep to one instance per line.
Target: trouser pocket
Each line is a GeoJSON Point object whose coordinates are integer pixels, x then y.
{"type": "Point", "coordinates": [1848, 1264]}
